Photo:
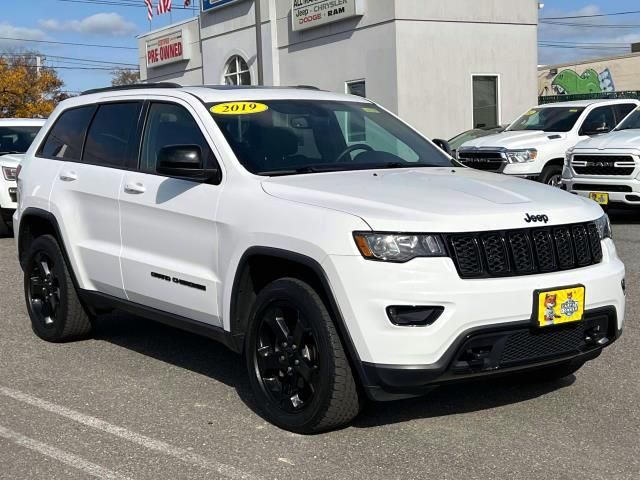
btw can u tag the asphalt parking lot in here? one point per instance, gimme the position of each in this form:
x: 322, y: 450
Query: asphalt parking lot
x: 144, y: 401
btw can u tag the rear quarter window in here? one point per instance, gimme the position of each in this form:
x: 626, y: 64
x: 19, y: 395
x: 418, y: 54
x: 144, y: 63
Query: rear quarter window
x: 65, y: 139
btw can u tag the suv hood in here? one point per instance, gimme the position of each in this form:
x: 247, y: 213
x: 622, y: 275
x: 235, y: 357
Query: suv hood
x: 434, y: 199
x: 513, y: 140
x: 616, y: 139
x: 11, y: 160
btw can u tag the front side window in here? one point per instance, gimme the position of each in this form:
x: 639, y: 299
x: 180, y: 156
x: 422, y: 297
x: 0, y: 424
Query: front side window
x: 236, y: 71
x: 287, y: 137
x: 632, y: 122
x: 169, y: 124
x: 549, y: 119
x: 65, y: 139
x: 112, y: 139
x: 16, y: 139
x: 600, y: 120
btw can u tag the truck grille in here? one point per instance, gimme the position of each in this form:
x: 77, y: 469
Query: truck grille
x: 603, y: 165
x: 480, y: 160
x: 526, y: 251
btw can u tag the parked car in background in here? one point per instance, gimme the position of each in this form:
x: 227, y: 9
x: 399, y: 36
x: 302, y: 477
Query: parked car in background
x: 16, y: 135
x: 456, y: 142
x: 606, y: 168
x: 535, y: 145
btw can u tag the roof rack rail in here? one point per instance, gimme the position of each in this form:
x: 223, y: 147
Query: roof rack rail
x: 135, y: 86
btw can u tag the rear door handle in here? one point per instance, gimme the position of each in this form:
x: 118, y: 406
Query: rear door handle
x: 134, y: 188
x: 68, y: 176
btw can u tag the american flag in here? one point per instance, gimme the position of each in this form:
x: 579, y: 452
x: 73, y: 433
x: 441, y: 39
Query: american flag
x: 164, y: 6
x: 149, y: 9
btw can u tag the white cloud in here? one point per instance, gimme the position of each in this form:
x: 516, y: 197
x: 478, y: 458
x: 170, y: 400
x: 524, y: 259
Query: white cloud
x: 578, y: 34
x: 106, y: 24
x: 8, y: 32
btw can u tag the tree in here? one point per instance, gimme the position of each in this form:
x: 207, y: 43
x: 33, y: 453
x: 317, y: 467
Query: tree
x: 27, y: 89
x: 123, y: 76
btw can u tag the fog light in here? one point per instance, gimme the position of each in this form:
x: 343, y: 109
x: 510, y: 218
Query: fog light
x: 404, y: 316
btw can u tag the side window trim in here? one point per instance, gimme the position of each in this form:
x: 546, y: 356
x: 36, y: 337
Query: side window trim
x: 39, y: 151
x: 205, y: 136
x: 138, y: 132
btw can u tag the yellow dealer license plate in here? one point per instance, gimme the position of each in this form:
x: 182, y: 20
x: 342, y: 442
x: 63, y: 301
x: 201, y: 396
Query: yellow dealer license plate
x: 557, y: 307
x: 601, y: 198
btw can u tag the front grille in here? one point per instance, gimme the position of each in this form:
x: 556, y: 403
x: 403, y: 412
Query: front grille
x: 524, y: 346
x: 589, y: 187
x: 480, y: 160
x: 603, y: 165
x: 526, y: 251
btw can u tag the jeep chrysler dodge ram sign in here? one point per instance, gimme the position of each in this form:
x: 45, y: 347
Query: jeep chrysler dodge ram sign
x: 313, y: 13
x: 170, y: 48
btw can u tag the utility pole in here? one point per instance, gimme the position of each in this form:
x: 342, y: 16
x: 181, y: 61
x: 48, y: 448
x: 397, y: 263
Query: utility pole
x: 259, y: 42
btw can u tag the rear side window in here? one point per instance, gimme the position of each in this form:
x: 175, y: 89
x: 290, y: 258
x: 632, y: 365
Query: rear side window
x: 65, y: 139
x: 623, y: 110
x: 112, y: 140
x: 169, y: 124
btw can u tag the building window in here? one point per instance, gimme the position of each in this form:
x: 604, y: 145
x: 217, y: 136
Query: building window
x: 236, y: 71
x: 486, y: 111
x: 358, y: 88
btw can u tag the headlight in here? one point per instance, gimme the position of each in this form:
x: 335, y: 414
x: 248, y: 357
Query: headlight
x: 9, y: 173
x: 604, y: 227
x: 522, y: 156
x: 390, y: 247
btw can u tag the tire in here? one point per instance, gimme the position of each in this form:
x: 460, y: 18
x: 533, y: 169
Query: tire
x: 318, y: 393
x: 52, y: 301
x: 551, y: 175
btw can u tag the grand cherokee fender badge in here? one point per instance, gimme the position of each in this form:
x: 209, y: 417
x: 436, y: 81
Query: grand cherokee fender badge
x: 536, y: 218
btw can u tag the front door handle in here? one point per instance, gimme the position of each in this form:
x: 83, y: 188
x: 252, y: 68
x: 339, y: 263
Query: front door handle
x: 68, y: 176
x: 134, y: 188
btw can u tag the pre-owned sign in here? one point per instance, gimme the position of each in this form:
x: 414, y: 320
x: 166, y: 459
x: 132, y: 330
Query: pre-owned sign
x: 213, y: 4
x: 169, y: 48
x: 313, y: 13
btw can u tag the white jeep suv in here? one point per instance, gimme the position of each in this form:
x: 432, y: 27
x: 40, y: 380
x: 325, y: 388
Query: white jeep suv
x: 606, y: 168
x: 534, y: 146
x: 16, y: 135
x: 341, y: 252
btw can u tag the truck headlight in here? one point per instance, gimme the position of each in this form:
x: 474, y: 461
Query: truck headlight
x: 9, y: 173
x: 393, y: 247
x: 604, y: 227
x: 522, y: 156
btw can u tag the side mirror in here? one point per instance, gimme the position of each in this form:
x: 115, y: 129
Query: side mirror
x: 443, y: 145
x: 185, y: 162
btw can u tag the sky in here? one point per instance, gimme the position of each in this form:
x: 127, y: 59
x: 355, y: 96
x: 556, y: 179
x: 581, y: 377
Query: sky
x: 115, y: 23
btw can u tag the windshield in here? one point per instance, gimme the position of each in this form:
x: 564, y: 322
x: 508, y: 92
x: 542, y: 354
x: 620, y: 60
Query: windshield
x: 16, y: 139
x: 632, y: 122
x: 288, y: 137
x: 549, y: 119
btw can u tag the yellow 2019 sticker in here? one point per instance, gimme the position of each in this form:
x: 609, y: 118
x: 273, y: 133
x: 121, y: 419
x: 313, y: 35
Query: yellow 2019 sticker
x: 531, y: 112
x: 239, y: 108
x: 370, y: 110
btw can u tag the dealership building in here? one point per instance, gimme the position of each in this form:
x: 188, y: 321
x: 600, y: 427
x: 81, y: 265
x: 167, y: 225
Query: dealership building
x: 444, y: 66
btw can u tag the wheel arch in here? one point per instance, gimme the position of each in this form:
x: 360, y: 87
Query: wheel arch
x: 259, y: 266
x: 554, y: 162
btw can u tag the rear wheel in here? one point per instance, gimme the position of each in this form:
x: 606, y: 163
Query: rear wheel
x: 298, y: 369
x: 552, y: 176
x: 52, y: 302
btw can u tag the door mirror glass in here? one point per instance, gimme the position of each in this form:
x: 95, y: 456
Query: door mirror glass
x: 183, y: 161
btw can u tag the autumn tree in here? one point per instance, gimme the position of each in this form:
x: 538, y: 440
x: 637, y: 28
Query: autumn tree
x: 27, y: 89
x: 124, y: 76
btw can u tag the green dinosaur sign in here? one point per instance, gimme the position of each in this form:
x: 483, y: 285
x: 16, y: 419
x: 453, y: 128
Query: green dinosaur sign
x: 569, y: 82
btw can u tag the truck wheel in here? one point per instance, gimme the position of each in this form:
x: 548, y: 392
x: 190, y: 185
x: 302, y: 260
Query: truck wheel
x: 52, y: 302
x: 298, y: 369
x: 552, y: 175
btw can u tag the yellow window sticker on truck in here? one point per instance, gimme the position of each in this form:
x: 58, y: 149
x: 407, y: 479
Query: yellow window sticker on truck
x: 531, y: 112
x: 371, y: 110
x: 239, y: 108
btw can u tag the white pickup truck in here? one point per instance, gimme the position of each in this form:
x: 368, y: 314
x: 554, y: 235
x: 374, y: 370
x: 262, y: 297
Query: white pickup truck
x: 16, y: 135
x: 534, y: 146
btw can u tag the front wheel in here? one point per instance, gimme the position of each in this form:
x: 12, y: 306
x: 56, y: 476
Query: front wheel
x: 298, y: 369
x: 552, y: 176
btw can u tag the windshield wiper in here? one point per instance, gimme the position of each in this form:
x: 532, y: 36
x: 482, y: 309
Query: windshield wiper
x: 10, y: 152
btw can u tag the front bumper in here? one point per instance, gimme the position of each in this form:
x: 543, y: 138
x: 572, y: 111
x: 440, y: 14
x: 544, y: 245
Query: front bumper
x: 364, y: 289
x: 621, y: 190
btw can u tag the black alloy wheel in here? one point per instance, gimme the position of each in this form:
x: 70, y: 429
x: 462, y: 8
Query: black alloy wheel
x: 43, y: 292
